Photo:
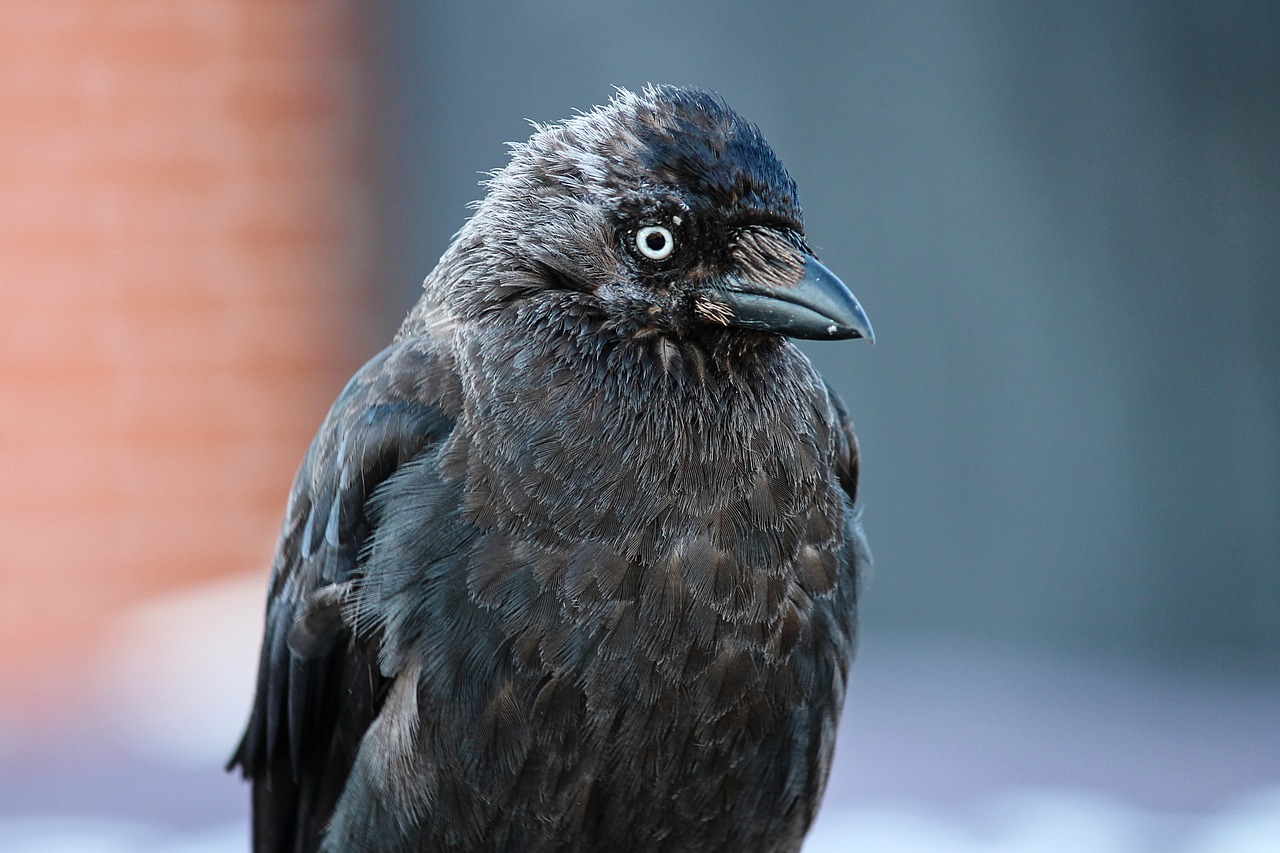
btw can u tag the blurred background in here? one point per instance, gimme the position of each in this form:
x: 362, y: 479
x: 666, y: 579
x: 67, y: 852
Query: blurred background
x: 1063, y: 220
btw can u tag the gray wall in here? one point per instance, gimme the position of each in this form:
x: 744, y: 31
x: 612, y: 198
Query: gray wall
x: 1064, y: 221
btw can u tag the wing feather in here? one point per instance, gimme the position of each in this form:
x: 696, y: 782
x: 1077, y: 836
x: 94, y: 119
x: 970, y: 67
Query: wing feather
x: 300, y: 740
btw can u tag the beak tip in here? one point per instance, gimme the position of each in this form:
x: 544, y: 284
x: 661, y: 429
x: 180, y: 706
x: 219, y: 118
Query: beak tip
x: 855, y: 327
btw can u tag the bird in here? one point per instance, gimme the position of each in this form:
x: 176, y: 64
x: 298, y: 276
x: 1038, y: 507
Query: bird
x: 573, y: 563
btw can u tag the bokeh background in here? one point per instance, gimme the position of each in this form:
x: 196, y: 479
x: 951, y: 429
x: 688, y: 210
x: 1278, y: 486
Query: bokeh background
x: 1063, y: 220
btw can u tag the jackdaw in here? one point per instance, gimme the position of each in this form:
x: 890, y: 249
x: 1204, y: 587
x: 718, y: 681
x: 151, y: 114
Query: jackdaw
x: 572, y: 564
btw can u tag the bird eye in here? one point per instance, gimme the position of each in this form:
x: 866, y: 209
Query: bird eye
x: 655, y: 242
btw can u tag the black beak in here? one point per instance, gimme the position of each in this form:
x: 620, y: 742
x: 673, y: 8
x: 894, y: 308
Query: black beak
x: 817, y: 307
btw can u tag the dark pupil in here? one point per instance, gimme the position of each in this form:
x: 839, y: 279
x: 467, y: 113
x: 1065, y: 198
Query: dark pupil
x: 655, y: 241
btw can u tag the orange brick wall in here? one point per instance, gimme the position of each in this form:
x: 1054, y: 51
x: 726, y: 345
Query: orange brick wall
x: 183, y: 234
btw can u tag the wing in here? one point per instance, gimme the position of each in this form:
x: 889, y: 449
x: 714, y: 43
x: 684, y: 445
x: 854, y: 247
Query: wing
x: 847, y: 461
x: 319, y: 687
x: 855, y: 554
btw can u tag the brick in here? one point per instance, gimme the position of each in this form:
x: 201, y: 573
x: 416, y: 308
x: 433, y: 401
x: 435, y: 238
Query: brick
x: 183, y: 247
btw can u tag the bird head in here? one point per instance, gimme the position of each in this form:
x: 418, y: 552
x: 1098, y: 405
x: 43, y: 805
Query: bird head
x: 665, y: 212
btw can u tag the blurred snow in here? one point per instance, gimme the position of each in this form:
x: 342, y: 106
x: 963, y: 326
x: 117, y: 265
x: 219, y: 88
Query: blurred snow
x: 78, y: 835
x: 1050, y: 822
x: 1252, y: 825
x: 191, y: 658
x: 945, y: 750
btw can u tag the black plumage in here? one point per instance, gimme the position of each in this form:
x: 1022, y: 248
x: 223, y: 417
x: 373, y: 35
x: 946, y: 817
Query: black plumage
x: 572, y: 564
